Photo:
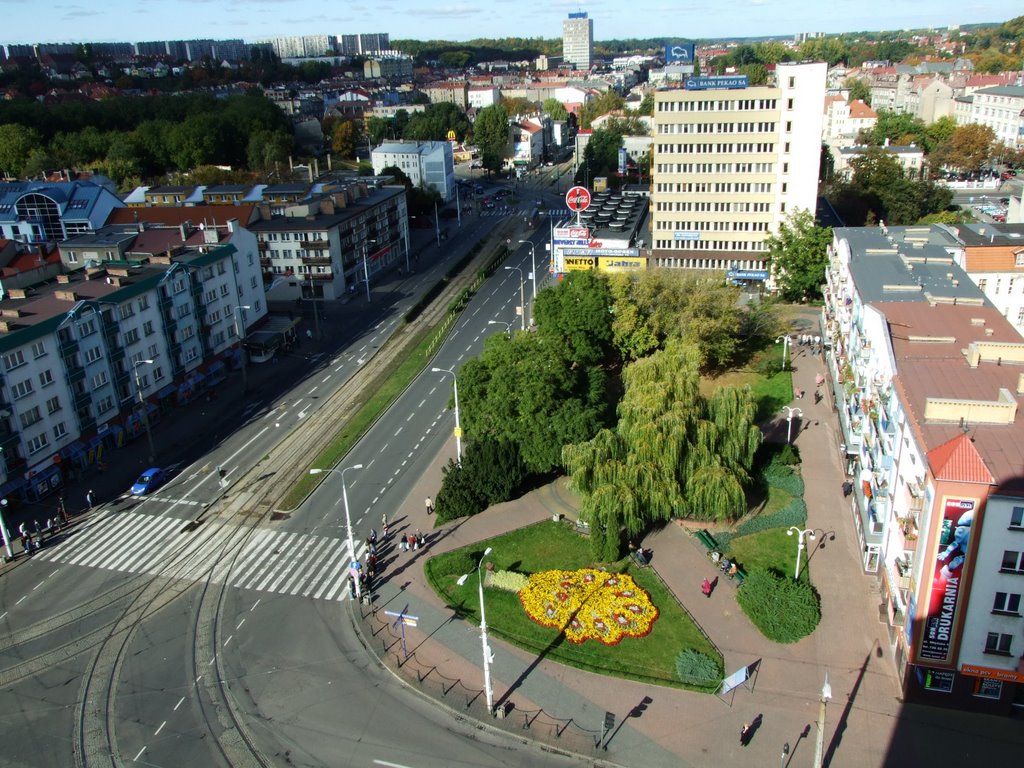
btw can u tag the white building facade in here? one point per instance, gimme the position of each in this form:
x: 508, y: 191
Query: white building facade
x: 731, y: 163
x: 578, y: 40
x: 426, y: 163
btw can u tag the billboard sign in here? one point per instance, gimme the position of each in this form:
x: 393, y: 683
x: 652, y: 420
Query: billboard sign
x: 747, y: 274
x: 680, y: 53
x: 715, y: 81
x: 572, y: 233
x: 572, y: 243
x: 940, y: 615
x: 577, y: 263
x: 623, y: 161
x: 620, y: 264
x: 687, y: 235
x: 622, y: 252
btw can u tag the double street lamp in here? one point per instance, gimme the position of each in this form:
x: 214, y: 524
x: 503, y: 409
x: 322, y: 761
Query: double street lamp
x: 800, y: 534
x: 241, y: 344
x: 508, y: 326
x: 789, y: 420
x: 348, y: 519
x: 488, y: 692
x: 533, y: 274
x: 458, y: 429
x: 785, y: 341
x: 522, y: 296
x: 144, y: 406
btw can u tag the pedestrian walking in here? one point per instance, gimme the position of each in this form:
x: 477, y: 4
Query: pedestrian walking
x: 819, y: 380
x: 384, y: 519
x: 705, y: 587
x: 416, y: 540
x: 430, y: 506
x: 745, y: 734
x: 90, y: 498
x: 422, y: 541
x: 402, y: 544
x: 384, y: 533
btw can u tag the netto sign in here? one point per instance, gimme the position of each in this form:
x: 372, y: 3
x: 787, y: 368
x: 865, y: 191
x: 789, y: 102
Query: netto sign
x: 576, y: 264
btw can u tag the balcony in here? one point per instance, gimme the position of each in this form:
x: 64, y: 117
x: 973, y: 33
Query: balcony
x: 324, y: 261
x: 263, y: 247
x: 265, y: 261
x: 319, y: 245
x: 321, y: 276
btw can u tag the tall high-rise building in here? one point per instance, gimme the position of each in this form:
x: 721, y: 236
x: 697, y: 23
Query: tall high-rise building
x: 731, y: 163
x: 578, y: 40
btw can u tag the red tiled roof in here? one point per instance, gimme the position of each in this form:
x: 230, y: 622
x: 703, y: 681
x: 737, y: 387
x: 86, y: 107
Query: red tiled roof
x: 860, y: 110
x: 173, y: 216
x: 958, y: 461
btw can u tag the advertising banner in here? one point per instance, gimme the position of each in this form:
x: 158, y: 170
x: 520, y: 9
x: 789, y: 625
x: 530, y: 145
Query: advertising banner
x: 630, y: 252
x: 680, y: 53
x: 747, y: 274
x: 940, y: 616
x: 579, y: 263
x: 687, y: 235
x: 1007, y: 675
x: 623, y: 161
x: 620, y: 264
x: 572, y: 233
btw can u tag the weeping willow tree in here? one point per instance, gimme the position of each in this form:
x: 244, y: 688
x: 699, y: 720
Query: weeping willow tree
x: 674, y: 453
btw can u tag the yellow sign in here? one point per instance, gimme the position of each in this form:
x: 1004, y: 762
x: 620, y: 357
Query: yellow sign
x: 621, y: 263
x: 457, y: 431
x: 451, y: 135
x: 574, y: 263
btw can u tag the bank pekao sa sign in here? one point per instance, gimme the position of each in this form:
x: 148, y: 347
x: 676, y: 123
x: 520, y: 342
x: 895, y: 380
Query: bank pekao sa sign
x: 715, y: 81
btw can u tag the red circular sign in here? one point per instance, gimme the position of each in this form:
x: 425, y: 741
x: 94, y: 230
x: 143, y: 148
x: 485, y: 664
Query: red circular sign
x: 578, y: 199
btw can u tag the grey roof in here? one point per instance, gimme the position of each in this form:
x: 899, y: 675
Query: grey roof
x: 1003, y: 90
x: 77, y: 200
x: 907, y: 264
x: 978, y: 233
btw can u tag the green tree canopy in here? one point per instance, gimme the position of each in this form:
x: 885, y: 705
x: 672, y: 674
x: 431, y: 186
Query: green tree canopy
x: 555, y: 109
x: 967, y: 148
x: 799, y: 256
x: 490, y: 134
x: 576, y: 317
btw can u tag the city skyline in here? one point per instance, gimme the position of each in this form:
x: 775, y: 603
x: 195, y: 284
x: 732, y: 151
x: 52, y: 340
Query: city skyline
x: 122, y: 21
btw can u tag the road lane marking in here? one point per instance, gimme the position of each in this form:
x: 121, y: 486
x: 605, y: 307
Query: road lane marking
x: 139, y: 755
x: 240, y: 625
x: 20, y: 601
x: 228, y: 640
x: 398, y: 432
x: 53, y: 574
x: 180, y: 701
x: 409, y: 417
x: 157, y: 732
x: 2, y: 615
x: 424, y: 400
x: 254, y: 605
x: 37, y: 586
x: 314, y: 389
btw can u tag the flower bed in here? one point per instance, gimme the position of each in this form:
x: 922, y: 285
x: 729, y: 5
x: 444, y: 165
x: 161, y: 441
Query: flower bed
x: 588, y: 604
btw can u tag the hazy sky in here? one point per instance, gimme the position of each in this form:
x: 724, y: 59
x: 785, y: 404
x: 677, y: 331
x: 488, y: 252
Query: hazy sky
x: 23, y: 21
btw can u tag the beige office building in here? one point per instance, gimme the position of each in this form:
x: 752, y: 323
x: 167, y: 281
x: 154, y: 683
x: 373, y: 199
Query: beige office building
x: 730, y: 164
x: 578, y: 40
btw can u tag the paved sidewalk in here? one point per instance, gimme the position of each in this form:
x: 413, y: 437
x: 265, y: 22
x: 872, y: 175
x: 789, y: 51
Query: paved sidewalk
x: 866, y: 724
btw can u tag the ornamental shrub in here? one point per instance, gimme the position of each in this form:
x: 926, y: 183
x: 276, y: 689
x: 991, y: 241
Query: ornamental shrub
x: 508, y: 581
x: 698, y: 669
x: 794, y: 513
x: 782, y: 609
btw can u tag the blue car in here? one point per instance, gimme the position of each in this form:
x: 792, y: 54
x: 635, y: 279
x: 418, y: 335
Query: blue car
x: 149, y: 481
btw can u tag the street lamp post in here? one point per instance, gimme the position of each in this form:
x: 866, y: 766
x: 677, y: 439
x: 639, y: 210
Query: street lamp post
x: 789, y: 420
x: 800, y: 534
x: 458, y: 429
x: 366, y: 266
x: 3, y: 530
x: 819, y: 745
x: 508, y: 326
x: 348, y: 519
x: 522, y: 295
x: 533, y: 274
x: 488, y: 692
x: 785, y: 341
x: 241, y: 346
x: 142, y: 404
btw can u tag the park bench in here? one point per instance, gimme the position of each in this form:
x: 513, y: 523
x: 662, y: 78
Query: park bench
x: 705, y: 538
x: 582, y: 528
x: 638, y: 557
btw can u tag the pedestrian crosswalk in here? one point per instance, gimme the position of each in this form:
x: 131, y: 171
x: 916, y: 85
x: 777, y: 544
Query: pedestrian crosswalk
x: 279, y: 562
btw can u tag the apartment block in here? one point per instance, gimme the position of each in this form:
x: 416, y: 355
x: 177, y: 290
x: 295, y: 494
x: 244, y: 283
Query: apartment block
x: 731, y: 163
x: 926, y: 379
x: 578, y: 40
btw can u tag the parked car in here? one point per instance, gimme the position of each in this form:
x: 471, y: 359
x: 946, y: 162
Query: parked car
x: 149, y: 481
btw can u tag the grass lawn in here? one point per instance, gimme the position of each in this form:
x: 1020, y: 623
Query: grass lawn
x: 772, y: 549
x: 547, y: 546
x: 770, y: 392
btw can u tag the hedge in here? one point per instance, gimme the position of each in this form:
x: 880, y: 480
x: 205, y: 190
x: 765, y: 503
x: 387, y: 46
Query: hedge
x: 783, y: 610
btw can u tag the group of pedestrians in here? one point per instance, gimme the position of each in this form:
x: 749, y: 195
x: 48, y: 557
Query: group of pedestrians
x: 813, y: 341
x: 32, y: 539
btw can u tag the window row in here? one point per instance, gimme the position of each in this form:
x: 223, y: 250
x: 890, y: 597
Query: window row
x: 712, y: 207
x: 714, y: 167
x: 718, y: 105
x: 703, y: 225
x: 710, y: 245
x: 706, y: 187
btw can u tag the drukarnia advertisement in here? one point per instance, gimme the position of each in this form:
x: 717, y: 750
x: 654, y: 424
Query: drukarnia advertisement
x: 950, y: 565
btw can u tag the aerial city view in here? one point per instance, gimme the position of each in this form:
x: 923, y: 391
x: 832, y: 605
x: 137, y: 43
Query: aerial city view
x: 517, y: 385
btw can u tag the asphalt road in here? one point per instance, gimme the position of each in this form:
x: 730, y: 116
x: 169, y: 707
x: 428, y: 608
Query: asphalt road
x: 112, y: 614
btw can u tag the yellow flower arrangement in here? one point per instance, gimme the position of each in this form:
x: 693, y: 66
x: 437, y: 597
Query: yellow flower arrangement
x: 589, y: 604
